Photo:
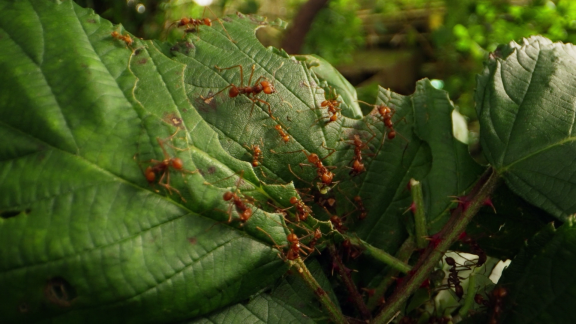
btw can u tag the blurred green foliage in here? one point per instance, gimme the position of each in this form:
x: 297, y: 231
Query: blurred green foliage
x: 336, y: 32
x: 472, y: 28
x: 455, y: 36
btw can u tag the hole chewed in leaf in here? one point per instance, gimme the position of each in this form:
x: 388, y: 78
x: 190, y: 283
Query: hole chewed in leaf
x: 59, y: 292
x: 13, y: 213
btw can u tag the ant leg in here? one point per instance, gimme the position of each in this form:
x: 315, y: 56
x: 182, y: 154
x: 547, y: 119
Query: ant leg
x: 251, y: 74
x: 264, y: 102
x: 329, y: 149
x: 235, y: 66
x: 220, y: 22
x: 290, y: 168
x: 209, y: 98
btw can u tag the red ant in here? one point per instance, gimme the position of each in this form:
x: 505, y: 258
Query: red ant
x: 476, y: 249
x: 337, y: 221
x: 240, y: 203
x: 316, y: 235
x: 256, y: 153
x: 386, y: 114
x: 359, y: 146
x: 295, y: 247
x: 163, y: 166
x: 261, y: 85
x: 322, y: 172
x: 285, y: 137
x: 332, y: 105
x: 192, y: 24
x: 125, y: 38
x: 496, y: 302
x: 302, y: 211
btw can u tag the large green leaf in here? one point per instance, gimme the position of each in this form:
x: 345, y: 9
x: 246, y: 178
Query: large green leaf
x: 88, y: 239
x: 540, y: 281
x: 95, y: 242
x: 525, y: 103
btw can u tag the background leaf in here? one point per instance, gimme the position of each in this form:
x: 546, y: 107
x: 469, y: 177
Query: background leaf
x: 539, y: 281
x: 525, y: 105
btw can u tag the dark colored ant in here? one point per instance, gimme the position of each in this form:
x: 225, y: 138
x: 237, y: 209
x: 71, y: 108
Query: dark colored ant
x: 302, y: 211
x: 256, y: 153
x: 361, y: 208
x: 453, y: 278
x: 476, y: 249
x: 163, y: 167
x: 386, y: 113
x: 125, y: 38
x: 192, y: 24
x: 337, y: 221
x: 316, y: 235
x: 261, y: 85
x: 496, y: 302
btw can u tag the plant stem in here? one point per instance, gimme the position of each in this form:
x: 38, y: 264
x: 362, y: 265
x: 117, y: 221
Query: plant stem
x: 333, y: 311
x: 345, y: 275
x: 380, y: 255
x: 448, y: 235
x: 404, y: 254
x: 469, y: 300
x: 419, y: 215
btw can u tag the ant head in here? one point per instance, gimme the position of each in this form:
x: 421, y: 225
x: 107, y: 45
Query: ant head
x: 391, y: 134
x: 115, y: 34
x: 207, y: 21
x: 357, y: 199
x: 177, y: 163
x: 327, y: 177
x: 293, y: 200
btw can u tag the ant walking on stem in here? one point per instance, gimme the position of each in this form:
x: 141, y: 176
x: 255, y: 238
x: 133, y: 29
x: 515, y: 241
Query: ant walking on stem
x: 163, y: 167
x: 262, y: 84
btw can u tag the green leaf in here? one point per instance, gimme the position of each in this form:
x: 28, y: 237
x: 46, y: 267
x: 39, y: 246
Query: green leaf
x: 81, y: 114
x: 525, y: 105
x: 540, y: 281
x: 262, y: 309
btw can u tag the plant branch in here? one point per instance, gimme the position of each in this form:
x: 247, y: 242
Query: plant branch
x: 460, y: 218
x: 345, y: 275
x: 380, y: 255
x: 333, y: 311
x: 404, y: 254
x: 419, y: 215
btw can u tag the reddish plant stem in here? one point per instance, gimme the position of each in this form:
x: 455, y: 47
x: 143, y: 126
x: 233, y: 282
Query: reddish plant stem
x: 448, y: 235
x: 352, y: 289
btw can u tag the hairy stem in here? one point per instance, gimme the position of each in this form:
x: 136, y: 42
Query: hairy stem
x: 333, y: 311
x: 448, y: 235
x: 380, y: 255
x: 419, y: 216
x: 345, y: 275
x: 404, y: 254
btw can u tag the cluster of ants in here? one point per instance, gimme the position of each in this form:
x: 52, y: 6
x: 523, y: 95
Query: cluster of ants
x: 495, y: 301
x: 158, y: 172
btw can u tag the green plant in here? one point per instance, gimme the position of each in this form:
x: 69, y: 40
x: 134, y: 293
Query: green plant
x: 88, y: 236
